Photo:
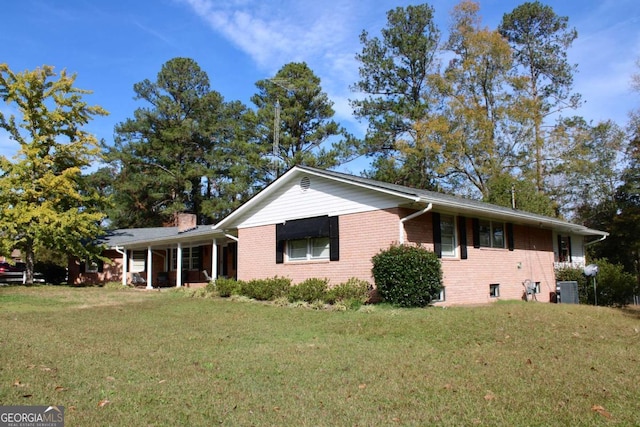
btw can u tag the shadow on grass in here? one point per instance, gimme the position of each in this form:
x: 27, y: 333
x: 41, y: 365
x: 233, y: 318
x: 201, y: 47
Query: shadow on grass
x: 631, y: 311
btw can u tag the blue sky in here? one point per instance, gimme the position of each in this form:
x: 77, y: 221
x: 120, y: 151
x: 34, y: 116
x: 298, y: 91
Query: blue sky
x: 113, y: 44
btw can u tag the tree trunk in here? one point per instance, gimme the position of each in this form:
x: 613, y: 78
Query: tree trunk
x: 30, y: 263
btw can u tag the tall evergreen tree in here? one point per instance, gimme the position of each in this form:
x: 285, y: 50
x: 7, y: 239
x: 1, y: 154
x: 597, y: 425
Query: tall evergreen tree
x: 295, y: 121
x: 394, y: 79
x: 45, y: 202
x: 166, y: 152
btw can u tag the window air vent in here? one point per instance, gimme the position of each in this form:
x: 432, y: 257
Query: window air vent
x: 305, y: 183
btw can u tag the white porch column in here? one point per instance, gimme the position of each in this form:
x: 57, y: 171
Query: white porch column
x: 125, y: 258
x: 149, y: 268
x: 214, y: 259
x: 179, y: 266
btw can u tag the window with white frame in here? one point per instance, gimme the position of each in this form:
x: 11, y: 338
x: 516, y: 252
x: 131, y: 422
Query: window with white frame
x: 316, y: 248
x: 491, y: 234
x: 308, y: 239
x: 448, y: 235
x: 138, y: 261
x: 190, y: 258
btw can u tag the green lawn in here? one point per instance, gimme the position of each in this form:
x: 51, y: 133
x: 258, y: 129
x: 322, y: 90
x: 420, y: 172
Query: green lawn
x: 136, y: 358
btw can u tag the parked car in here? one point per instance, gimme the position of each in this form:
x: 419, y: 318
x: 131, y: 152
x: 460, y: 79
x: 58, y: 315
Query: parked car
x: 15, y: 273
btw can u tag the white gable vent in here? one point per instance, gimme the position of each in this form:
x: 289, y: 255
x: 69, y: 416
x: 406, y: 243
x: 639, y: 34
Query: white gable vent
x: 305, y: 183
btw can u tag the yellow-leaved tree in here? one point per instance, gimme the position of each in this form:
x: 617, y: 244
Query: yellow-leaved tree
x: 45, y: 202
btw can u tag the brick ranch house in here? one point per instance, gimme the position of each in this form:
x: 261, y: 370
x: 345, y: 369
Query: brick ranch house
x: 184, y: 255
x: 318, y: 223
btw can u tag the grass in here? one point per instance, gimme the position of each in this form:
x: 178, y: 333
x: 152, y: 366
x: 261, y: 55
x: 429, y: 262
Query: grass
x: 125, y: 357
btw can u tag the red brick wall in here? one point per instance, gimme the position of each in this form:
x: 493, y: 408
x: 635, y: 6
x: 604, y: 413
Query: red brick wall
x: 467, y: 281
x: 363, y: 235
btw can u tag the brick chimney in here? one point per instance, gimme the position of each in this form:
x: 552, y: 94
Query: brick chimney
x: 186, y: 222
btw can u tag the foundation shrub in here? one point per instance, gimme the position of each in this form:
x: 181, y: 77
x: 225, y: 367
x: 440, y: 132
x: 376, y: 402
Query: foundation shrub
x: 352, y: 289
x: 407, y: 276
x: 226, y: 287
x: 266, y: 289
x: 312, y: 289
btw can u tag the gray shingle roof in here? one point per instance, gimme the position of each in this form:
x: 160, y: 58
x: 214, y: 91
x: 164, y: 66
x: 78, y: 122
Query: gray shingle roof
x: 461, y: 204
x: 141, y: 236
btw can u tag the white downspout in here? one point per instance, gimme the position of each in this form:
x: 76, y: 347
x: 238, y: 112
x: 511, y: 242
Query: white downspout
x: 214, y: 259
x: 179, y: 266
x: 123, y: 252
x: 234, y: 238
x: 604, y: 236
x: 407, y: 218
x: 149, y: 268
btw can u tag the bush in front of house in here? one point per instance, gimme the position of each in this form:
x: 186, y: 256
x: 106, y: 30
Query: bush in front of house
x: 52, y: 272
x: 226, y: 287
x: 266, y: 289
x: 353, y: 289
x: 310, y: 290
x: 407, y: 275
x: 614, y: 286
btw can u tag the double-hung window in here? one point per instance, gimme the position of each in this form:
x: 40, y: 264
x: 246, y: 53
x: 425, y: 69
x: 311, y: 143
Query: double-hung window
x: 138, y: 261
x: 308, y: 239
x: 491, y: 234
x: 190, y: 258
x: 444, y: 236
x: 448, y: 235
x: 564, y: 248
x: 308, y: 249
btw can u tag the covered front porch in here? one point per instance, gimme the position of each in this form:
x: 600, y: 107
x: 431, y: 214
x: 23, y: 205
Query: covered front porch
x: 188, y: 260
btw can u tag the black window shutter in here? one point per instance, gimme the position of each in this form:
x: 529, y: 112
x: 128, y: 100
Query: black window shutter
x: 83, y: 267
x: 100, y: 266
x: 279, y: 244
x: 510, y: 240
x: 560, y: 257
x: 462, y: 236
x: 569, y: 247
x: 334, y: 239
x: 233, y: 248
x: 476, y: 232
x: 437, y: 234
x: 225, y: 261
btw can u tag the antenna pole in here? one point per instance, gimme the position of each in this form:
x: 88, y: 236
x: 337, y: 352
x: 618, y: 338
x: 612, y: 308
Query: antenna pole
x: 276, y: 129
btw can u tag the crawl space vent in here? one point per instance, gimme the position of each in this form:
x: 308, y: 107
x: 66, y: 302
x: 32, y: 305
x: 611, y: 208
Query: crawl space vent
x: 305, y: 183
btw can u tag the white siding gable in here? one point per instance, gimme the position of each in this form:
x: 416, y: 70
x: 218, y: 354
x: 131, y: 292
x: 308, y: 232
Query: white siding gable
x: 322, y: 197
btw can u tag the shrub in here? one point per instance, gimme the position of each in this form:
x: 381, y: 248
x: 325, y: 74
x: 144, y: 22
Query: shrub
x: 352, y: 289
x: 614, y: 286
x: 115, y: 285
x: 407, y: 276
x: 52, y: 273
x: 211, y: 287
x: 227, y: 287
x: 310, y: 290
x: 266, y: 289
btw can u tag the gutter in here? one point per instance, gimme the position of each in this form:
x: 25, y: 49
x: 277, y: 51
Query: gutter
x: 407, y: 218
x: 234, y: 238
x: 604, y: 236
